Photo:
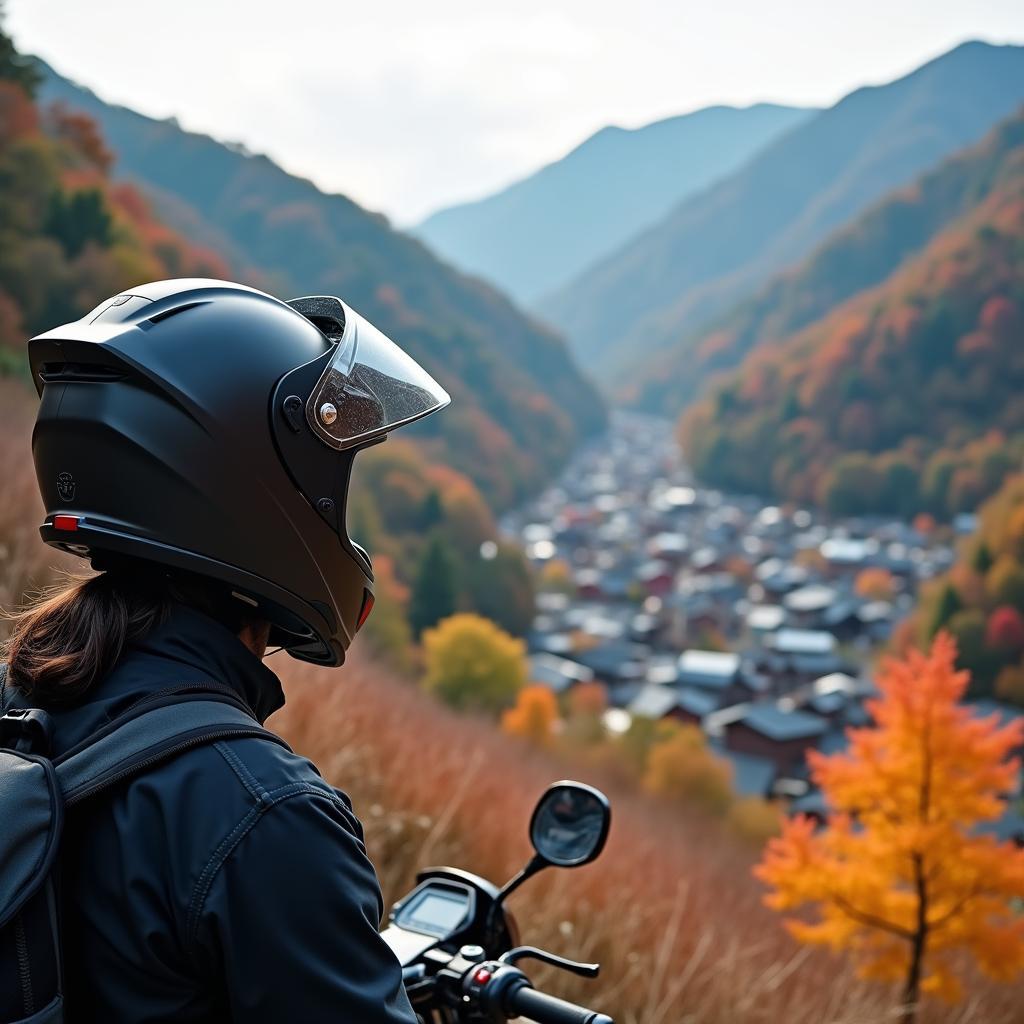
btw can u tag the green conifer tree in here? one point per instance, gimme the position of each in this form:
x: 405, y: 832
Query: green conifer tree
x: 434, y: 592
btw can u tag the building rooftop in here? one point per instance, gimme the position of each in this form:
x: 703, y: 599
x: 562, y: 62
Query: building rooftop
x: 558, y: 673
x: 803, y: 641
x: 708, y: 668
x: 696, y: 702
x: 848, y: 550
x: 835, y: 682
x: 828, y: 703
x: 653, y: 702
x: 815, y: 597
x: 781, y: 726
x: 766, y: 618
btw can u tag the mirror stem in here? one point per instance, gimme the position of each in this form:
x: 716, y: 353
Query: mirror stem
x: 535, y: 864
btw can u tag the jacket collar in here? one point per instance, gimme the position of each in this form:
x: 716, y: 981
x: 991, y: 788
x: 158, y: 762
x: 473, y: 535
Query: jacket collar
x: 188, y: 647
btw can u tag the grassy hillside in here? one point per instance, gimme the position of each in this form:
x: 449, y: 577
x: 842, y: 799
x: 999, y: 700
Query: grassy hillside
x: 540, y: 232
x: 908, y: 397
x: 856, y: 257
x: 717, y: 247
x: 670, y: 909
x: 520, y: 405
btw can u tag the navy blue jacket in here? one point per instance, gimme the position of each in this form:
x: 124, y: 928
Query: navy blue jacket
x: 230, y: 883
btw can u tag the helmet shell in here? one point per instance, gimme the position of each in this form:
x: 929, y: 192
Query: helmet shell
x: 164, y: 434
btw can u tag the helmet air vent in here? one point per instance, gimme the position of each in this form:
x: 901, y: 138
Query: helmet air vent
x: 79, y: 373
x: 173, y: 311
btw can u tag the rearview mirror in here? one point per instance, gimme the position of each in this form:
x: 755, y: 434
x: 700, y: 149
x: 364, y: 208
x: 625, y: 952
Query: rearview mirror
x: 570, y: 824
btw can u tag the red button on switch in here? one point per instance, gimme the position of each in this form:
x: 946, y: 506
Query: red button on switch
x: 482, y: 976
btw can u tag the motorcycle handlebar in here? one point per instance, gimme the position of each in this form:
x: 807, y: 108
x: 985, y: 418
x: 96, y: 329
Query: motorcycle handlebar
x: 544, y: 1009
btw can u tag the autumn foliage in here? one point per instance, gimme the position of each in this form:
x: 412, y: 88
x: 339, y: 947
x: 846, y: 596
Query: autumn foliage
x: 904, y: 875
x: 981, y: 600
x: 534, y: 715
x: 69, y: 236
x: 681, y: 767
x: 472, y: 664
x: 906, y: 397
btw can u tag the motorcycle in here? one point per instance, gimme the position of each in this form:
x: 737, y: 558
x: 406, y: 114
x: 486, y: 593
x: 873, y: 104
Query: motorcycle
x: 458, y: 945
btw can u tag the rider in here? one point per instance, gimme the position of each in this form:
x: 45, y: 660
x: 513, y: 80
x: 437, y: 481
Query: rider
x: 194, y: 441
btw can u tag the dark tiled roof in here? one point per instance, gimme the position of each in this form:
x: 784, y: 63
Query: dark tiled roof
x: 697, y: 703
x: 769, y: 721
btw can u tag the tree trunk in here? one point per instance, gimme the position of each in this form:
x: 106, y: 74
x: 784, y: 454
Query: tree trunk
x: 912, y: 988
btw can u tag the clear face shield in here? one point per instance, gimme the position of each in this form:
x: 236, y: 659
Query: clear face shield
x: 369, y: 387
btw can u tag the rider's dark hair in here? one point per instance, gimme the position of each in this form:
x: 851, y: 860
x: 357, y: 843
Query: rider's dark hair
x: 72, y: 635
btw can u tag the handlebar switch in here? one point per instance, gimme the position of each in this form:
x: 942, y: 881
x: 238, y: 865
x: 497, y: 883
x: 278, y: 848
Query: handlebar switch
x: 488, y: 984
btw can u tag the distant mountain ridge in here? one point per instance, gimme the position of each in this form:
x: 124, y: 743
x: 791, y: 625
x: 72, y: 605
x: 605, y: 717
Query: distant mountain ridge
x: 716, y: 248
x: 520, y: 404
x: 541, y: 231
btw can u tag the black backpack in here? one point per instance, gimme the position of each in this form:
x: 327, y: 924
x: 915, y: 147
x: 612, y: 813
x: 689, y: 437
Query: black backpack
x: 34, y: 792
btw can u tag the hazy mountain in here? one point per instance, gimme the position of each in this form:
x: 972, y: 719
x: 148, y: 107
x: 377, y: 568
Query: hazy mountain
x: 718, y: 246
x: 540, y: 232
x: 520, y: 405
x: 907, y: 396
x: 857, y: 256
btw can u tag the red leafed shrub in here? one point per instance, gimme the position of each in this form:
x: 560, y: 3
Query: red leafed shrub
x: 1005, y: 629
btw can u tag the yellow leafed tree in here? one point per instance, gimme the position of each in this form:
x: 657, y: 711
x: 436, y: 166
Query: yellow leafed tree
x: 901, y: 875
x: 473, y: 664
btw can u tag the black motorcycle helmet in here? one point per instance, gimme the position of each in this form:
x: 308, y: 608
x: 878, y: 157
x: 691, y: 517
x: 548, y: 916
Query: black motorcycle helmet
x: 207, y: 429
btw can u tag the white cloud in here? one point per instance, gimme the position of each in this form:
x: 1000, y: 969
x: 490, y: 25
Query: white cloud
x: 406, y: 106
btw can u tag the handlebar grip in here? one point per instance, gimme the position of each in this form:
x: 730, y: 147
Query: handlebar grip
x: 544, y: 1009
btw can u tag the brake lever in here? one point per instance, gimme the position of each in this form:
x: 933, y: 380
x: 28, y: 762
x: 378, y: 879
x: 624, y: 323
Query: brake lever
x: 533, y: 953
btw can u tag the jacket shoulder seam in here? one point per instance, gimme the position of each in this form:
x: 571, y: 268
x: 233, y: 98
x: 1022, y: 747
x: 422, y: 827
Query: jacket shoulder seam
x: 265, y: 801
x: 238, y: 766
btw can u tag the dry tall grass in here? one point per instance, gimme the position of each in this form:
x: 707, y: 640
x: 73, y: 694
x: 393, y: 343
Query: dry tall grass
x: 26, y: 564
x: 670, y: 909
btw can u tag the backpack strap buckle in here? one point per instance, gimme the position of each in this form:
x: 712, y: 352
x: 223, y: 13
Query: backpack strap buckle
x: 26, y: 730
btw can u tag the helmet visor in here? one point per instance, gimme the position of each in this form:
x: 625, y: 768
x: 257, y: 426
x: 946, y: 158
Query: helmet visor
x: 369, y: 387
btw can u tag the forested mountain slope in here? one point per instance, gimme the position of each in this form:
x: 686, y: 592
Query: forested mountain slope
x: 69, y: 234
x: 907, y: 397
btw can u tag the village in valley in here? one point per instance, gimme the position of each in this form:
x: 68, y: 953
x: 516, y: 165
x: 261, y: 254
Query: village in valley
x: 757, y: 623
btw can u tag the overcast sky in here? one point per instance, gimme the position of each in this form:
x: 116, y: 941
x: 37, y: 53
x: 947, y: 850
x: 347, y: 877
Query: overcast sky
x: 408, y: 105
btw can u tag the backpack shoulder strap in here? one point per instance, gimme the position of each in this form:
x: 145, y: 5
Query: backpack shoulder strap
x: 137, y: 742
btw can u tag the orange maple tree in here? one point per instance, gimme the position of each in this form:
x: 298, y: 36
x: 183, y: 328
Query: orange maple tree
x: 901, y: 875
x: 534, y: 715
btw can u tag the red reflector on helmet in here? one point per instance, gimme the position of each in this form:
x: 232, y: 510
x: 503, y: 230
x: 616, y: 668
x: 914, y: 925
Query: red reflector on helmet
x: 364, y: 612
x: 65, y: 522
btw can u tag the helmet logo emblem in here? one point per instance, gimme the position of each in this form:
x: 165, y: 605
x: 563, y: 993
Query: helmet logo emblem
x: 66, y: 486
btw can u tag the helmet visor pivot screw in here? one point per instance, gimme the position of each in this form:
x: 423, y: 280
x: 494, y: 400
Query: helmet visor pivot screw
x: 328, y: 413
